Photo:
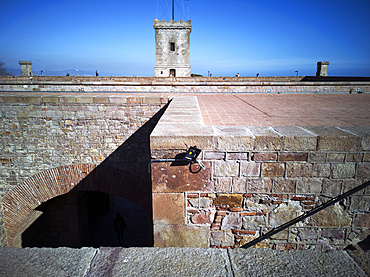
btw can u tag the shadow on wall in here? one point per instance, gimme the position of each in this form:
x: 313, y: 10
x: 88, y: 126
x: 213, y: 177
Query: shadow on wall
x: 84, y: 216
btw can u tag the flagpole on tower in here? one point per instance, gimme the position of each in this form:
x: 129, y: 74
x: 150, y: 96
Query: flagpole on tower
x: 173, y: 9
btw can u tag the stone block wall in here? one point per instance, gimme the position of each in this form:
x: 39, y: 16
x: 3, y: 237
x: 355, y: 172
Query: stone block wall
x: 44, y: 132
x: 257, y: 178
x: 183, y: 85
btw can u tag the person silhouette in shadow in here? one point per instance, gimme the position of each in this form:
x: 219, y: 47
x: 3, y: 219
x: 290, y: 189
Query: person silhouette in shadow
x: 119, y: 227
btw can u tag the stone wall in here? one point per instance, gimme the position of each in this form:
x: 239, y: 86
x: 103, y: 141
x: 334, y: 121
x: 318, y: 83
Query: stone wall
x: 182, y: 85
x: 49, y: 143
x: 257, y: 178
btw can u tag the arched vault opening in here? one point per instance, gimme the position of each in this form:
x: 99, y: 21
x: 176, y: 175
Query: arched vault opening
x: 20, y: 203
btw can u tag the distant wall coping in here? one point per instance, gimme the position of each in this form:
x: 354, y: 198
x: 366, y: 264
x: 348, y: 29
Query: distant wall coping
x: 80, y: 98
x: 151, y: 81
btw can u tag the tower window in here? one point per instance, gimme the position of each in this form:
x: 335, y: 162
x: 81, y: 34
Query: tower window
x: 172, y: 46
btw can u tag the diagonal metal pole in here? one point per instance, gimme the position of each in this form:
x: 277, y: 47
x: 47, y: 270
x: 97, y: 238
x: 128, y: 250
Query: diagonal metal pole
x: 304, y: 216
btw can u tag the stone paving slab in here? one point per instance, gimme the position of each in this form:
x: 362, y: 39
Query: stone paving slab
x: 267, y: 262
x: 45, y: 261
x: 178, y: 262
x: 362, y: 258
x: 160, y: 262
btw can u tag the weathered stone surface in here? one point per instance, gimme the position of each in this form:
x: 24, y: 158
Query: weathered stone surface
x: 360, y: 203
x: 309, y: 185
x: 317, y: 157
x: 250, y: 169
x: 259, y: 185
x: 45, y: 261
x: 354, y: 157
x: 200, y: 202
x: 170, y: 261
x: 283, y: 235
x: 283, y: 185
x: 223, y: 184
x: 333, y: 216
x: 362, y: 220
x: 226, y: 168
x: 181, y: 236
x: 334, y: 139
x: 175, y: 261
x: 236, y: 138
x: 299, y: 170
x: 297, y: 139
x: 342, y: 171
x: 321, y: 170
x: 308, y: 234
x: 168, y: 208
x: 333, y: 233
x: 268, y: 262
x: 203, y: 217
x: 204, y: 202
x: 253, y: 204
x: 263, y: 157
x: 363, y: 170
x: 351, y: 184
x: 284, y: 213
x: 232, y: 221
x: 266, y: 138
x: 168, y: 178
x: 237, y: 156
x: 367, y: 157
x: 249, y: 238
x: 298, y: 157
x: 222, y: 238
x: 364, y: 133
x: 331, y: 187
x: 232, y: 200
x: 336, y: 157
x: 210, y: 155
x: 239, y: 184
x: 254, y: 222
x: 273, y: 169
x: 172, y: 136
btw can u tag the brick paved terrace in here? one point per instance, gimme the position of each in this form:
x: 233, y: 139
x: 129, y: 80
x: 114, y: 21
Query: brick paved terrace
x: 285, y: 109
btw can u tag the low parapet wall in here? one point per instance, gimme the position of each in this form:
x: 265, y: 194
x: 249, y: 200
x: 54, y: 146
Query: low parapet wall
x: 257, y: 178
x: 183, y: 85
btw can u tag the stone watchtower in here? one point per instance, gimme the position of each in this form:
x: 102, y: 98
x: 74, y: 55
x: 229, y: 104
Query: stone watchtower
x: 26, y: 69
x: 172, y: 44
x: 322, y: 69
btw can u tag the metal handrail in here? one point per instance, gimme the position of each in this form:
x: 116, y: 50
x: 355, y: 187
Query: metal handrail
x: 304, y: 216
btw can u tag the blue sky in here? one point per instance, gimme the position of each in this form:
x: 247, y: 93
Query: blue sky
x: 116, y: 37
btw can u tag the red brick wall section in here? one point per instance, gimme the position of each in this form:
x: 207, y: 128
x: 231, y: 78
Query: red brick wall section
x: 23, y: 199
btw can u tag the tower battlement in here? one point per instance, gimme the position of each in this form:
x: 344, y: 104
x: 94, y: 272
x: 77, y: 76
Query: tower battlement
x: 172, y: 24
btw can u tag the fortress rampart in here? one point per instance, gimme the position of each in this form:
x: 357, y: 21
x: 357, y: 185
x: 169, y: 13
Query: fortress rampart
x: 186, y: 85
x: 256, y: 178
